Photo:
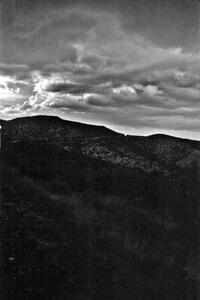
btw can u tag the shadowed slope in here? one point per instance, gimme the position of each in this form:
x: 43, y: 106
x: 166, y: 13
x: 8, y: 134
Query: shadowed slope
x: 81, y: 224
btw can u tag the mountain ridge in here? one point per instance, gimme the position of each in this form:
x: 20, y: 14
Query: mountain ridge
x: 69, y: 122
x: 155, y: 152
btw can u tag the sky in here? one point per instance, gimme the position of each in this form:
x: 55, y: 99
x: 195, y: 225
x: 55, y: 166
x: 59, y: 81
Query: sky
x: 131, y: 65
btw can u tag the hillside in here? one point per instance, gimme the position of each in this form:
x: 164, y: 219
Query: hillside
x: 153, y: 152
x: 88, y: 213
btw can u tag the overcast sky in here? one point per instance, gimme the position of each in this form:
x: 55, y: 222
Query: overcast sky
x: 131, y: 65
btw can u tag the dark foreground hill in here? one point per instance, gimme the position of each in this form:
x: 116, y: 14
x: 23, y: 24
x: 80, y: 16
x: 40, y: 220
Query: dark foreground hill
x: 88, y: 213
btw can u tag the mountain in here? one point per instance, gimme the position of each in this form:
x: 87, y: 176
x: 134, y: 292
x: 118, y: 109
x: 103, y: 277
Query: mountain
x: 55, y: 128
x: 150, y: 153
x: 88, y: 213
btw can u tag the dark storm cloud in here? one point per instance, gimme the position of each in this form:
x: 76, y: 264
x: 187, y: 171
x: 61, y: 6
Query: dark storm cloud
x: 67, y: 88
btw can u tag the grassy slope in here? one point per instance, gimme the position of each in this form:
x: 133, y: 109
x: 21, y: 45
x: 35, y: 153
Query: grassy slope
x: 77, y: 228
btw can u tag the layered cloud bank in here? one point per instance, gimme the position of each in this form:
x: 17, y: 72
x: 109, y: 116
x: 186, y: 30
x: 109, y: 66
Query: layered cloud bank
x: 85, y: 65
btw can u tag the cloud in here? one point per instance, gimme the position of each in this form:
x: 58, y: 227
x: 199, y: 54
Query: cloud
x: 70, y: 105
x: 67, y: 88
x: 124, y: 90
x: 84, y: 62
